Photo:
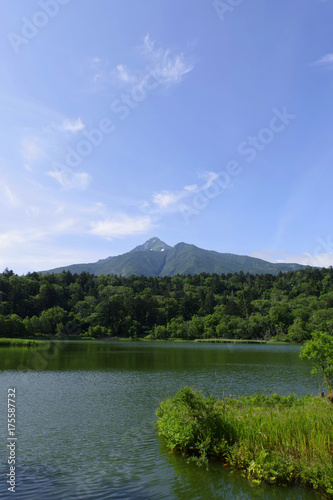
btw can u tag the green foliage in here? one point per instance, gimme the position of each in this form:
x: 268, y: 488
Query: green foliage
x: 21, y: 342
x: 320, y: 350
x: 96, y: 332
x: 233, y: 306
x: 194, y: 425
x: 12, y: 326
x: 272, y: 438
x: 49, y: 319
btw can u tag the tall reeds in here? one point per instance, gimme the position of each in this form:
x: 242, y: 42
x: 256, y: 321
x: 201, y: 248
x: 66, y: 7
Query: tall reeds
x: 272, y: 438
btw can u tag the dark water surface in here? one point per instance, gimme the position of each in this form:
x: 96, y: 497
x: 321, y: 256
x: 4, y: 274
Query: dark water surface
x: 86, y: 412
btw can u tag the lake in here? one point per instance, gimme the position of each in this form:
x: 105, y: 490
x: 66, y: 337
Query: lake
x: 86, y: 411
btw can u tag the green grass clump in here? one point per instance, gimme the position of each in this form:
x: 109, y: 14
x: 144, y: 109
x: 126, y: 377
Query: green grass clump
x: 21, y: 342
x: 277, y: 439
x: 194, y: 425
x: 231, y: 341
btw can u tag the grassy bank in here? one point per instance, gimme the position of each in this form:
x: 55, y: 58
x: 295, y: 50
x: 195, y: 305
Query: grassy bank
x: 277, y: 439
x: 21, y: 342
x: 241, y: 341
x: 9, y: 341
x: 216, y: 341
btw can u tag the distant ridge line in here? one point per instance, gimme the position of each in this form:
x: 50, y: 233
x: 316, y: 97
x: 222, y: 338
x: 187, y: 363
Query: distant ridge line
x: 156, y: 258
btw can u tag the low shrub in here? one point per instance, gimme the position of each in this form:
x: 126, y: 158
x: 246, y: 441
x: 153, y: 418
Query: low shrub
x: 194, y: 425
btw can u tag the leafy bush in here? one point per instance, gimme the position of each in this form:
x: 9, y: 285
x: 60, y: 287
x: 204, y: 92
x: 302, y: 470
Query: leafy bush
x: 194, y: 425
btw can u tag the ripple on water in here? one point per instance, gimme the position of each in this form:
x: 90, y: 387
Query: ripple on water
x: 92, y: 431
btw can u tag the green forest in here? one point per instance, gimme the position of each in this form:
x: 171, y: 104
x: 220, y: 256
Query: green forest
x: 283, y: 307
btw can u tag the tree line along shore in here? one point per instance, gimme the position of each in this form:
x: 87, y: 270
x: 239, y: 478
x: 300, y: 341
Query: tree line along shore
x: 286, y: 307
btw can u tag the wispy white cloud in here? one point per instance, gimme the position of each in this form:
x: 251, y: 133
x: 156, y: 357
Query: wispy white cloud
x: 98, y: 71
x: 210, y: 178
x: 121, y: 225
x: 124, y: 74
x: 75, y: 180
x: 72, y: 125
x: 167, y: 201
x: 325, y: 62
x: 168, y: 68
x: 166, y: 198
x: 37, y: 228
x: 32, y: 211
x: 306, y: 259
x: 10, y: 196
x: 191, y: 188
x: 40, y: 253
x: 37, y: 217
x: 31, y: 150
x: 11, y: 238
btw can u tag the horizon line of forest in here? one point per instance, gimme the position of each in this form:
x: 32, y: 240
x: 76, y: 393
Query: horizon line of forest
x: 287, y: 306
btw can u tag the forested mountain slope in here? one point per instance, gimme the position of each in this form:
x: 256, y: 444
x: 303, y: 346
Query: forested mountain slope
x: 156, y: 258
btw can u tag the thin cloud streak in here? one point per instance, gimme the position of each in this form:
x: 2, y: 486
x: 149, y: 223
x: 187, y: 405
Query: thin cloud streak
x: 121, y: 225
x: 167, y: 201
x: 325, y: 62
x: 72, y: 126
x: 77, y: 180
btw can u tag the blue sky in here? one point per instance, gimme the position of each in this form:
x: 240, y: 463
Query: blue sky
x: 208, y: 122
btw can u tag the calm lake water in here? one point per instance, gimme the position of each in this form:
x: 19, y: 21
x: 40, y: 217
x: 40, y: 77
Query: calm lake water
x: 86, y: 412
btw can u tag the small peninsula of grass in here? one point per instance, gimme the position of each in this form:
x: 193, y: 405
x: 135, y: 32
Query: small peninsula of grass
x: 21, y: 342
x: 277, y: 439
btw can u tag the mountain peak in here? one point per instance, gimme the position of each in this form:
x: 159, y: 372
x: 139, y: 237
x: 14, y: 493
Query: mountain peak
x: 154, y: 244
x: 156, y: 258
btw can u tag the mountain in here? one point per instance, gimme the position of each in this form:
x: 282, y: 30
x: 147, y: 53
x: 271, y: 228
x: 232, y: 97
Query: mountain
x: 156, y: 258
x: 154, y: 244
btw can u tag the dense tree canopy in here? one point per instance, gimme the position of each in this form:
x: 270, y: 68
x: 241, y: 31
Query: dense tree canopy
x: 288, y: 306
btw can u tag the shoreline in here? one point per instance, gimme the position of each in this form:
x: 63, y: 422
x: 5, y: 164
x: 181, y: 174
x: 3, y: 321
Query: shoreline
x: 16, y: 342
x: 39, y: 341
